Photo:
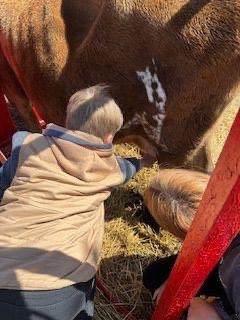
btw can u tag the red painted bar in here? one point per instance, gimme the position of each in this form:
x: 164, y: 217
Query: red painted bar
x: 7, y: 127
x: 216, y: 224
x: 40, y: 120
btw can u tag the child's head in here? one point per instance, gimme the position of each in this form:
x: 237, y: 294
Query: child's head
x: 173, y: 198
x: 93, y: 111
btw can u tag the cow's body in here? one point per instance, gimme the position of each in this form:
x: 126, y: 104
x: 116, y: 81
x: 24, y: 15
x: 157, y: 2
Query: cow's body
x: 173, y: 65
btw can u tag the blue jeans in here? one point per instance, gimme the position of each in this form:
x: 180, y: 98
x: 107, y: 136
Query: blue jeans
x: 73, y: 302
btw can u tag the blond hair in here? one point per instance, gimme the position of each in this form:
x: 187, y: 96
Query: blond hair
x: 173, y: 198
x: 93, y: 111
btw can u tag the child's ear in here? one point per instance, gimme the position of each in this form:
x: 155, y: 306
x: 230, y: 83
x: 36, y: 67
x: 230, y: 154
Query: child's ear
x: 108, y: 139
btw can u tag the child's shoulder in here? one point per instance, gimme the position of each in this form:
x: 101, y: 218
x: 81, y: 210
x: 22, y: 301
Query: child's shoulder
x: 19, y: 137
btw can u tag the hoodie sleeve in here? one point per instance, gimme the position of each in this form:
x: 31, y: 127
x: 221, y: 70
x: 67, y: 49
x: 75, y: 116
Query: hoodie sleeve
x: 8, y: 170
x: 129, y: 167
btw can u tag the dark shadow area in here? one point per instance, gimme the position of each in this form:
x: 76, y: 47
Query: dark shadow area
x: 129, y: 205
x: 41, y: 305
x: 79, y: 15
x: 17, y: 119
x: 186, y: 13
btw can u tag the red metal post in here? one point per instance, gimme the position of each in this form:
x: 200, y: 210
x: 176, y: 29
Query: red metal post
x: 216, y: 224
x: 7, y: 127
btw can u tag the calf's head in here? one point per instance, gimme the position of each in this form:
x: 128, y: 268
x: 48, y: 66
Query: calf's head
x: 173, y: 198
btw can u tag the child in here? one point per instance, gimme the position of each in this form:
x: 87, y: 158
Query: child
x: 53, y: 189
x: 173, y: 198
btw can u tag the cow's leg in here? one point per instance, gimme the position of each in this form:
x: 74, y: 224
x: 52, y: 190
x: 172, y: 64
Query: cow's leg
x: 210, y: 164
x: 16, y: 95
x: 199, y: 159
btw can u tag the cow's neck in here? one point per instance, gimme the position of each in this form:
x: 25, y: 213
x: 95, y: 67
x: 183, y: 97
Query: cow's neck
x: 119, y: 29
x: 109, y: 34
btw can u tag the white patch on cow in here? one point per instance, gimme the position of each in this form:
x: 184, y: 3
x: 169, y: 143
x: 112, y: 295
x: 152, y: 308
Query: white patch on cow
x: 157, y: 96
x: 147, y: 80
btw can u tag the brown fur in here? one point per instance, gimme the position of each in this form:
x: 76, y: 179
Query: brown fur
x: 173, y: 198
x: 55, y: 47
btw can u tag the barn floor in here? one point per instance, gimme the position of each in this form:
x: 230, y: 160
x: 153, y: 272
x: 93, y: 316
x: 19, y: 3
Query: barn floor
x: 132, y: 240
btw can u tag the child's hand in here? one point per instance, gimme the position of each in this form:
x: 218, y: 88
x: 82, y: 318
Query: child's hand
x: 147, y: 161
x: 202, y: 310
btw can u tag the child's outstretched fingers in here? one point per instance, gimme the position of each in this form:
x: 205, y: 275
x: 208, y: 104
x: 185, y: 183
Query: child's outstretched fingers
x: 202, y: 310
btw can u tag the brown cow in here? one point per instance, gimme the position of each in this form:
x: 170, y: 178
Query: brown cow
x: 173, y: 65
